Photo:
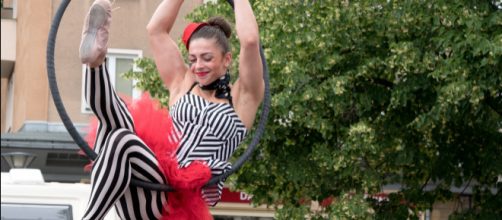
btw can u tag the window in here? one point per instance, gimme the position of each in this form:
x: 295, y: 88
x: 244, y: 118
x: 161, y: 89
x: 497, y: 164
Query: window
x: 118, y: 61
x: 15, y: 211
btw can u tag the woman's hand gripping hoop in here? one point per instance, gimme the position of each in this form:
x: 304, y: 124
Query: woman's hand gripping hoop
x: 92, y: 155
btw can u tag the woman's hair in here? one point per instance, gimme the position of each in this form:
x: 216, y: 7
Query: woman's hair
x: 217, y: 28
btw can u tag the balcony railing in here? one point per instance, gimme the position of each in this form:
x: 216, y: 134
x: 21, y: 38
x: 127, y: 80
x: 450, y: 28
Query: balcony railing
x: 7, y: 13
x: 8, y: 9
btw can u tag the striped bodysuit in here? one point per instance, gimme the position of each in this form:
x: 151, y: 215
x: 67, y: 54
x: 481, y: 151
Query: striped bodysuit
x: 210, y: 132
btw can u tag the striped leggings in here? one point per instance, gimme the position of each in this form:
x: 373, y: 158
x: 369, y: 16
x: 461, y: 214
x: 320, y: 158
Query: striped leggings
x: 121, y: 156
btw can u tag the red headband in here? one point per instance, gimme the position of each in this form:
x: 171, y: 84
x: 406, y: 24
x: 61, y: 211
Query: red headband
x: 189, y: 30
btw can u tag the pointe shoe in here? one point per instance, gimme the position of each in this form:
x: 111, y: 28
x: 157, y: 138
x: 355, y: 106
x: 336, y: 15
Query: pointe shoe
x: 94, y: 42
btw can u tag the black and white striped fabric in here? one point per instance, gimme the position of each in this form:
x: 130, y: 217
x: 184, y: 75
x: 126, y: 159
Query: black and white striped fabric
x: 121, y: 155
x: 210, y: 132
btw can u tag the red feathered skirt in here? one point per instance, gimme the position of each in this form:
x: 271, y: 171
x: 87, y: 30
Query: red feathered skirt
x: 154, y: 126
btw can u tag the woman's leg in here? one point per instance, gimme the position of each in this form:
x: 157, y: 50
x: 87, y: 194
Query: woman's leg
x: 121, y: 154
x: 124, y: 156
x: 110, y: 110
x: 99, y: 93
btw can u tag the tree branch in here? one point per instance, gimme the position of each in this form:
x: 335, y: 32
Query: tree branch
x: 426, y: 182
x: 383, y: 82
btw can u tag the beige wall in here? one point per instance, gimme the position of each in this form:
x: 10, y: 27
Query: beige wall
x: 442, y: 210
x: 30, y: 80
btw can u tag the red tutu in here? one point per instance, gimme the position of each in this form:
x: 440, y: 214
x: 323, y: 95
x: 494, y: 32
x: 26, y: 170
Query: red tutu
x: 155, y: 127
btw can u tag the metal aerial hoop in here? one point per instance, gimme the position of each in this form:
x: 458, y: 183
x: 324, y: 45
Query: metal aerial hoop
x: 51, y: 72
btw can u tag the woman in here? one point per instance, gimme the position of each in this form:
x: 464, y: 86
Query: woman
x: 211, y: 115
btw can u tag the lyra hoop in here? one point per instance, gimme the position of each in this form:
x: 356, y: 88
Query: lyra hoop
x: 51, y: 44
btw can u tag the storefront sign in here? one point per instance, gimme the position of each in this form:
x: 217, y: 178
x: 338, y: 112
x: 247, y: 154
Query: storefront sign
x: 236, y: 197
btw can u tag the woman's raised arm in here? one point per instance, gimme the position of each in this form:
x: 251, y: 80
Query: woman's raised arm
x: 250, y: 81
x: 166, y: 53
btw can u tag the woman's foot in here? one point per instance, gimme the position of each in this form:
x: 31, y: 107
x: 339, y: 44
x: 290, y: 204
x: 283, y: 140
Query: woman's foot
x: 94, y: 42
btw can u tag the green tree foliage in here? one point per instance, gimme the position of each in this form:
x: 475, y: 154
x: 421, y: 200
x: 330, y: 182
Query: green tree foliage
x: 372, y: 93
x: 148, y: 79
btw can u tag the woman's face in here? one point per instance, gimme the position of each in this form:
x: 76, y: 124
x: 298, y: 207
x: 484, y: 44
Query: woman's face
x: 207, y: 61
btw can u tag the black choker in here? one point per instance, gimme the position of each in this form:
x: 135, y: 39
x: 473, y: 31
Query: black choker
x: 222, y: 87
